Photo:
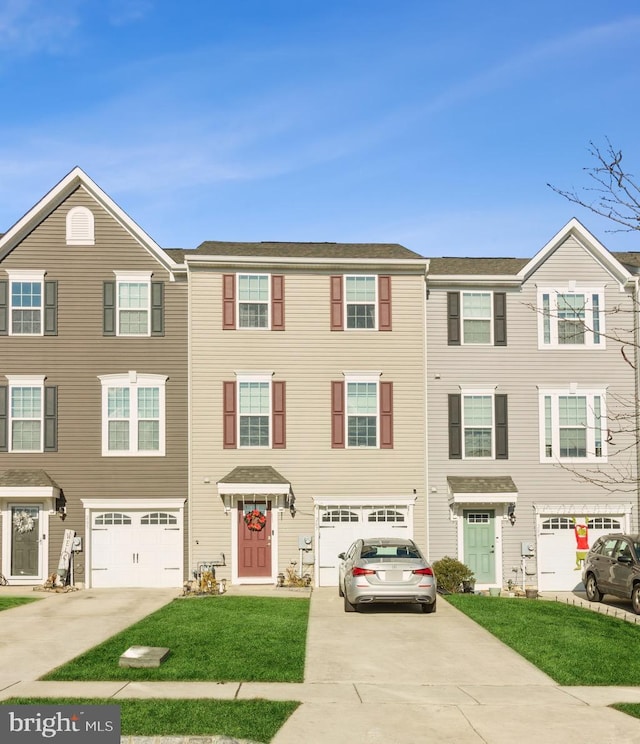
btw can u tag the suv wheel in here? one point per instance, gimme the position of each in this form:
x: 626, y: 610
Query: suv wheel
x: 635, y: 598
x: 593, y: 593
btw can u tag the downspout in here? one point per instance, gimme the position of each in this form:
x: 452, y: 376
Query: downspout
x: 427, y: 521
x: 636, y: 382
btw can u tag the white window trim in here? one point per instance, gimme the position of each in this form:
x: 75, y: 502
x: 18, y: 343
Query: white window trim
x: 253, y: 302
x: 26, y: 275
x: 555, y: 394
x: 374, y: 302
x: 133, y: 381
x: 373, y: 377
x: 32, y: 381
x: 262, y: 377
x: 490, y: 318
x: 89, y: 237
x: 571, y: 288
x: 133, y: 277
x: 488, y: 393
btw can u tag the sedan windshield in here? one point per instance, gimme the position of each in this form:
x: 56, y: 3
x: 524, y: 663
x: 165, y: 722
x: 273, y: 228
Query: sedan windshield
x: 370, y: 552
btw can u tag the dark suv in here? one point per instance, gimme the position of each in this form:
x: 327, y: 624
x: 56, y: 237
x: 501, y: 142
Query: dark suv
x: 612, y: 566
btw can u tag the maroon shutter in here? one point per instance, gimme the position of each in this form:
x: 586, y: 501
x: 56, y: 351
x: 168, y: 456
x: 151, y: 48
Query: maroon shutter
x: 278, y: 405
x: 277, y: 302
x: 337, y: 415
x: 228, y: 302
x: 384, y: 303
x: 229, y: 415
x: 386, y: 415
x: 337, y: 310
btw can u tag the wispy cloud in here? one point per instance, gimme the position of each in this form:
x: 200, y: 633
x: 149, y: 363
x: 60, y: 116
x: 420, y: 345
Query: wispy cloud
x: 29, y: 26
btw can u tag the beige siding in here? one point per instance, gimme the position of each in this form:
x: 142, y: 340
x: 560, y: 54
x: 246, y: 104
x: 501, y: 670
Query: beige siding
x: 518, y: 370
x: 75, y: 358
x: 308, y: 356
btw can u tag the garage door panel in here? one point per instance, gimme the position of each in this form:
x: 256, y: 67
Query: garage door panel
x: 340, y: 526
x: 562, y: 542
x: 136, y: 549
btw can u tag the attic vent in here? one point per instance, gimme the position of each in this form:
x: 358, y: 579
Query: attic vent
x: 80, y: 227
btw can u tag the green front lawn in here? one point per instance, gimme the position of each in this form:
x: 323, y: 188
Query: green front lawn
x: 6, y: 603
x: 258, y: 720
x: 221, y: 639
x: 574, y: 646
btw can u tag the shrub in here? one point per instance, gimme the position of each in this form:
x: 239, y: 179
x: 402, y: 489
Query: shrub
x: 450, y: 574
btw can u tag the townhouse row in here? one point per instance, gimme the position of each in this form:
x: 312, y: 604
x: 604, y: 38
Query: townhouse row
x: 260, y: 405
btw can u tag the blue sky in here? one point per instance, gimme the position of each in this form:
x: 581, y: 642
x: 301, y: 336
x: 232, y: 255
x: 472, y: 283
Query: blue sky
x: 432, y: 124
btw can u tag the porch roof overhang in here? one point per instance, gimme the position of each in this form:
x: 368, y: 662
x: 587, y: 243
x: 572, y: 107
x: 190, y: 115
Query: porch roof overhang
x: 28, y: 484
x: 483, y: 489
x: 253, y: 480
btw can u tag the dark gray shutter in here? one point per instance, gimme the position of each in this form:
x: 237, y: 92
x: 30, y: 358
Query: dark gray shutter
x: 51, y: 308
x: 502, y: 439
x: 455, y: 426
x: 453, y: 318
x: 4, y: 438
x: 500, y: 318
x: 50, y: 418
x: 109, y: 309
x: 4, y: 309
x: 157, y: 308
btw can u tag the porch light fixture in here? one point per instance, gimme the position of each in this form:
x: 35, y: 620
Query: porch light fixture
x: 511, y: 513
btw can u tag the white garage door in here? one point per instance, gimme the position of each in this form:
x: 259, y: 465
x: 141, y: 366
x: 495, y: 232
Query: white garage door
x: 562, y: 541
x: 136, y: 548
x: 339, y: 526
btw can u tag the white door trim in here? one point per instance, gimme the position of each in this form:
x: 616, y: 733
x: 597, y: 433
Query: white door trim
x: 498, y: 519
x: 43, y: 540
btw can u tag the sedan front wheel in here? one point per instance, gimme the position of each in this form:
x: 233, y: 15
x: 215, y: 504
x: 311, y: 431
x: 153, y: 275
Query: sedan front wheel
x: 635, y: 598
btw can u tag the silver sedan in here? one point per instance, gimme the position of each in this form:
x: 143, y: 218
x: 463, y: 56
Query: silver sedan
x: 380, y: 569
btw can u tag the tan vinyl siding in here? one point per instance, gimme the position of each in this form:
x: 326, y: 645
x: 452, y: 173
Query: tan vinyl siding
x: 75, y: 358
x: 308, y: 356
x: 518, y: 370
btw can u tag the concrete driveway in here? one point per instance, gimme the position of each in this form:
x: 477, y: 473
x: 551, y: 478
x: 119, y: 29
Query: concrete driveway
x: 383, y: 676
x: 42, y: 635
x: 402, y: 677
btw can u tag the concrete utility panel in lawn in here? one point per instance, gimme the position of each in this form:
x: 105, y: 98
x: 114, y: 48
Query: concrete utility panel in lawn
x: 143, y: 656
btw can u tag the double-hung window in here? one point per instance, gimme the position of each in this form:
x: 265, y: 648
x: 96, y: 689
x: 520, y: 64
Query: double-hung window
x: 361, y: 301
x: 478, y: 425
x: 573, y: 425
x: 477, y: 422
x: 133, y: 414
x: 133, y: 304
x: 26, y: 291
x: 254, y: 412
x: 477, y: 317
x: 571, y: 317
x: 362, y: 413
x: 26, y: 414
x: 253, y: 300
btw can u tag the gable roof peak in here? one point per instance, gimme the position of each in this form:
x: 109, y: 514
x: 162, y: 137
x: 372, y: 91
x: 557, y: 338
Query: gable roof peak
x: 574, y: 228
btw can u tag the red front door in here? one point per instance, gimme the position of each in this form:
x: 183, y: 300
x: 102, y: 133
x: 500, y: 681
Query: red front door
x: 254, y: 546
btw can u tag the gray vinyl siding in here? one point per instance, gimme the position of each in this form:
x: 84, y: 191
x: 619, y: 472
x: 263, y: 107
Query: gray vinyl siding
x: 518, y: 370
x: 75, y: 358
x: 308, y: 356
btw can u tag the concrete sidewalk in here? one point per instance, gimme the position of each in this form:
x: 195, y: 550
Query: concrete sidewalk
x: 383, y: 676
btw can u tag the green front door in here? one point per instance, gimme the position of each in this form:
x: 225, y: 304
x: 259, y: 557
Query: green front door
x: 479, y: 544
